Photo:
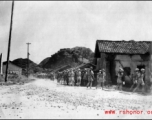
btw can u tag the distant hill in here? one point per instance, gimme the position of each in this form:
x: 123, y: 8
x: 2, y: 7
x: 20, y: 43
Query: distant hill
x: 44, y: 61
x: 67, y: 56
x: 33, y: 67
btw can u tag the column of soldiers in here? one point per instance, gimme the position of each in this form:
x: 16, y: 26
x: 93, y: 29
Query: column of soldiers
x: 73, y: 77
x: 138, y: 79
x: 77, y: 77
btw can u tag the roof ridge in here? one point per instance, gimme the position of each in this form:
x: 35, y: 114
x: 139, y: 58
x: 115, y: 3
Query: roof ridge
x: 122, y: 40
x: 127, y: 47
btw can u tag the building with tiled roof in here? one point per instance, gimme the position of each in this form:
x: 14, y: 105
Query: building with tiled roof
x: 12, y: 68
x: 111, y: 55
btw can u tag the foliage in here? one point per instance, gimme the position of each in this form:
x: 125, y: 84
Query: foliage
x: 66, y: 56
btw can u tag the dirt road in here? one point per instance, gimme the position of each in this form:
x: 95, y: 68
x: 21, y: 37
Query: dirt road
x: 45, y: 99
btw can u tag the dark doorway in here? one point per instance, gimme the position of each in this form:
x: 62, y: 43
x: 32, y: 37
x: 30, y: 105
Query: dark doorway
x: 127, y: 78
x: 127, y: 70
x: 112, y: 72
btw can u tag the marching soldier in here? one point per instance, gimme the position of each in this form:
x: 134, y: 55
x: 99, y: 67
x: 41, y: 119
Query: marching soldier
x: 90, y: 77
x: 78, y: 77
x: 143, y: 74
x: 58, y: 77
x: 99, y: 79
x: 71, y: 77
x: 119, y: 79
x: 134, y: 78
x: 85, y: 77
x: 64, y: 76
x: 67, y: 77
x: 140, y: 81
x: 75, y: 77
x: 61, y: 78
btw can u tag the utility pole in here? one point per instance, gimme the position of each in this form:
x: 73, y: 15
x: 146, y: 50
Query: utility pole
x: 28, y: 58
x: 9, y: 42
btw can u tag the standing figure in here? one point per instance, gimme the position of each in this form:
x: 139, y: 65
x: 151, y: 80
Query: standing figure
x: 61, y: 78
x: 103, y: 77
x: 78, y: 77
x: 58, y: 77
x: 85, y: 77
x: 64, y: 76
x: 143, y: 78
x: 75, y: 77
x: 67, y: 77
x: 99, y: 79
x: 54, y: 76
x: 141, y: 82
x: 90, y: 77
x: 134, y: 78
x: 71, y: 77
x: 119, y: 79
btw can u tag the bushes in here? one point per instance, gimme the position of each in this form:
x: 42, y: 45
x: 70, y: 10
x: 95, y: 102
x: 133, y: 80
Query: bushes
x: 12, y: 79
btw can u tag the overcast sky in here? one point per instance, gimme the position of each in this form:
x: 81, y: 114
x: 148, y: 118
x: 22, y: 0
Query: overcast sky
x: 51, y: 25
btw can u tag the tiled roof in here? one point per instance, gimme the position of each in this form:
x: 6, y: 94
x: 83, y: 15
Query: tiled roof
x: 10, y: 62
x: 124, y: 47
x: 84, y: 65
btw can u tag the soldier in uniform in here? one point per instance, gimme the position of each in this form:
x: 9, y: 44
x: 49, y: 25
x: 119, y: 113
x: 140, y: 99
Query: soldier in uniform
x: 134, y: 78
x: 90, y: 76
x: 78, y: 77
x: 67, y: 77
x: 75, y: 76
x: 84, y: 77
x: 71, y: 77
x: 64, y: 76
x: 119, y: 79
x: 58, y: 77
x: 61, y: 78
x: 140, y: 81
x: 99, y: 79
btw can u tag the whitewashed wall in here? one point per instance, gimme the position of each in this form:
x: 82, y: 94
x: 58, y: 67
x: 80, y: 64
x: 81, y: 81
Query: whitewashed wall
x: 128, y: 61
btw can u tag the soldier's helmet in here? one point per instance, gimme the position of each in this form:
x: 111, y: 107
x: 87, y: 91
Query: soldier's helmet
x: 136, y: 69
x: 121, y: 69
x: 143, y: 69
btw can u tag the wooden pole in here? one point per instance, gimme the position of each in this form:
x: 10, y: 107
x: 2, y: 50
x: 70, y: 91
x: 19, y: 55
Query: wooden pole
x: 1, y: 63
x: 28, y: 58
x: 9, y: 42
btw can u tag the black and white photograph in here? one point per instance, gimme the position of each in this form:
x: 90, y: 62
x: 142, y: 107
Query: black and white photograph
x: 75, y: 59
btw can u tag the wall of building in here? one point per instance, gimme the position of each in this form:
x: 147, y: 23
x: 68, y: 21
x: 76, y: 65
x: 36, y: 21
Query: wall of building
x: 98, y: 66
x: 12, y: 69
x: 121, y: 60
x: 129, y: 61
